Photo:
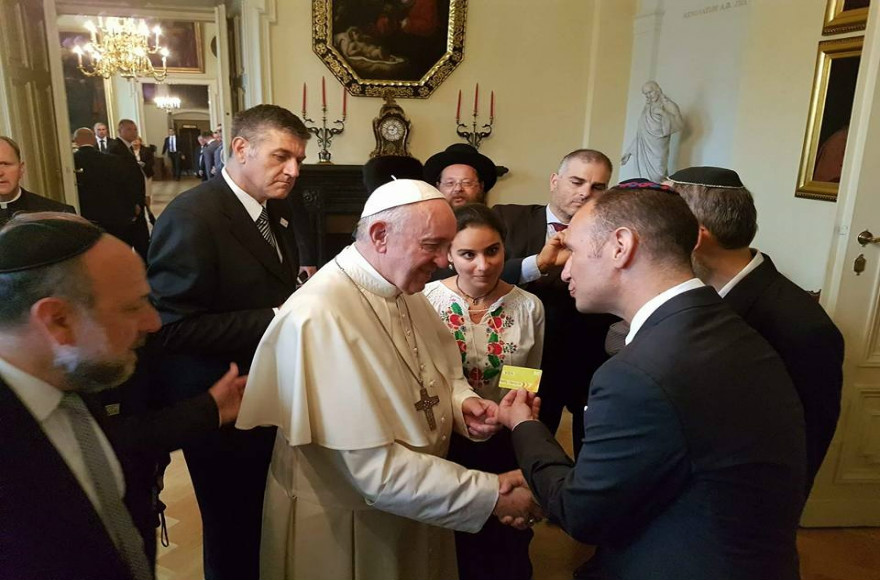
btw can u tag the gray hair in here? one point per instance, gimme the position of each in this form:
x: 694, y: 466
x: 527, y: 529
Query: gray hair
x: 587, y: 156
x: 728, y: 213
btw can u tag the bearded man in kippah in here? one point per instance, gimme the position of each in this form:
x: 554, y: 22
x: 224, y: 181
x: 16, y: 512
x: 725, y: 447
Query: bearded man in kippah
x: 364, y: 383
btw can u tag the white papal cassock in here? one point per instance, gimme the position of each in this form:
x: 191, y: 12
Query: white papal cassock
x: 358, y: 487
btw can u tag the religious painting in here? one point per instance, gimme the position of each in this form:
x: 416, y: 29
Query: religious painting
x: 86, y: 101
x: 834, y: 90
x: 845, y: 16
x: 183, y: 39
x: 400, y: 48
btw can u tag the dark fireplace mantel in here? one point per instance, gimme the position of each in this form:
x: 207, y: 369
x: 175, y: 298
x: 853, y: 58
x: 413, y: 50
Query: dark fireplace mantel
x: 334, y: 196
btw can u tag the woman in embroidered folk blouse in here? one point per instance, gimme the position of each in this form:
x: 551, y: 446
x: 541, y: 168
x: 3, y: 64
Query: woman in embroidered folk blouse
x: 494, y: 323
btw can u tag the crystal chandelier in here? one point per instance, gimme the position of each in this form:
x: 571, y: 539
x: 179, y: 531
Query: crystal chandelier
x: 121, y: 46
x: 168, y: 103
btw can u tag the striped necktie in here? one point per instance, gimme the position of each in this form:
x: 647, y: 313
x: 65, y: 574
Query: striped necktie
x: 113, y: 512
x: 265, y: 230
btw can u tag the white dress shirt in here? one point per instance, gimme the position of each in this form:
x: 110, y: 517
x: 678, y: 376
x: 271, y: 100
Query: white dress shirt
x: 756, y: 261
x: 43, y: 401
x: 649, y: 307
x: 251, y: 205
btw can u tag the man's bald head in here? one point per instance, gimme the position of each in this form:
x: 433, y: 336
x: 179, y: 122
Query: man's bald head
x: 84, y: 136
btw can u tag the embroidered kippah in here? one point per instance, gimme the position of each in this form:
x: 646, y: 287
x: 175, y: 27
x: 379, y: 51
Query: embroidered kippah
x: 639, y: 183
x: 708, y: 177
x: 28, y: 245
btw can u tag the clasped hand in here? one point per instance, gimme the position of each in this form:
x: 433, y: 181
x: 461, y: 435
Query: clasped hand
x: 481, y: 417
x: 515, y: 506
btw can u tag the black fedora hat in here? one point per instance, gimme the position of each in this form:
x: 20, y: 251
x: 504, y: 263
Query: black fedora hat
x: 461, y: 154
x: 380, y: 170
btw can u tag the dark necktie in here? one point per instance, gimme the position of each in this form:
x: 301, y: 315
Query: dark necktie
x: 103, y: 146
x: 558, y: 226
x: 113, y: 512
x: 265, y: 230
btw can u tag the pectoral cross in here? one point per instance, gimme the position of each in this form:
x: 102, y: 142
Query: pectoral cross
x: 425, y: 404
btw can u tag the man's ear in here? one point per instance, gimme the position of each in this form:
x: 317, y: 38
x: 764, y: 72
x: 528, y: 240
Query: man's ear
x: 625, y: 244
x: 704, y: 238
x: 55, y: 317
x: 239, y: 147
x: 379, y: 236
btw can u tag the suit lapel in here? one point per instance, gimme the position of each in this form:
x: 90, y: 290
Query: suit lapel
x: 245, y: 231
x: 537, y: 230
x: 35, y: 454
x: 283, y: 237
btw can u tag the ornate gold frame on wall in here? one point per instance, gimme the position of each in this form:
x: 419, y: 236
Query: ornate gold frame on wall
x: 358, y: 85
x: 829, y: 51
x: 838, y: 20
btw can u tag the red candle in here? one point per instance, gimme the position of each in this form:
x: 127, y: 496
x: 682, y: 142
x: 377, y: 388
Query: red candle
x: 344, y: 102
x: 492, y: 105
x: 323, y: 93
x: 458, y: 108
x: 476, y: 98
x: 304, y: 99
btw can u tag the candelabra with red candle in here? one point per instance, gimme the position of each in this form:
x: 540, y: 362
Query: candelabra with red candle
x: 324, y: 133
x: 474, y: 137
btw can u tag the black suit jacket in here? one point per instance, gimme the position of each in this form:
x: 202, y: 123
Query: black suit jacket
x: 693, y: 460
x: 135, y: 175
x: 105, y: 193
x: 209, y: 157
x: 574, y: 343
x: 148, y: 159
x: 48, y: 526
x: 31, y: 202
x: 809, y: 343
x: 215, y: 281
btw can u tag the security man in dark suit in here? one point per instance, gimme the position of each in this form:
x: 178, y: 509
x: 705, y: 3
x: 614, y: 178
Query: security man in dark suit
x: 693, y: 458
x: 103, y: 183
x: 789, y: 319
x: 574, y: 344
x: 13, y: 197
x: 121, y: 146
x: 170, y: 147
x: 223, y: 257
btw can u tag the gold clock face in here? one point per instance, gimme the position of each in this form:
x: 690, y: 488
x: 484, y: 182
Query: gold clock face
x: 392, y: 129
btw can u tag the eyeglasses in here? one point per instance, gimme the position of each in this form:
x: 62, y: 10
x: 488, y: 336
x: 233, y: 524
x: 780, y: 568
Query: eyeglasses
x: 464, y: 183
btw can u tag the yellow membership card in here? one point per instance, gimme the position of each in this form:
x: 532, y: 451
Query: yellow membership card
x: 520, y: 378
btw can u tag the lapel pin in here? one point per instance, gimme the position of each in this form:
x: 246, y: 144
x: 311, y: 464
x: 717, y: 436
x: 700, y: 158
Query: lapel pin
x: 283, y: 222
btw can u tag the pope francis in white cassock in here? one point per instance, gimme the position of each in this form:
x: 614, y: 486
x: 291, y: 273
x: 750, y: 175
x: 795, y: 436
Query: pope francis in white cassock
x: 364, y: 383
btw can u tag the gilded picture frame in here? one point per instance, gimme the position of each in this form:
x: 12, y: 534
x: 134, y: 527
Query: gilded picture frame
x: 183, y: 39
x: 400, y: 48
x: 845, y: 16
x: 834, y: 85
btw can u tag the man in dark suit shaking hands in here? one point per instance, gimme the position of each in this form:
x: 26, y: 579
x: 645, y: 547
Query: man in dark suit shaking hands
x: 693, y: 458
x: 223, y: 257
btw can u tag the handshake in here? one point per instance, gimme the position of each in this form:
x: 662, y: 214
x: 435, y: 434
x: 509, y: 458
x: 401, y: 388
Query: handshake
x: 516, y: 506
